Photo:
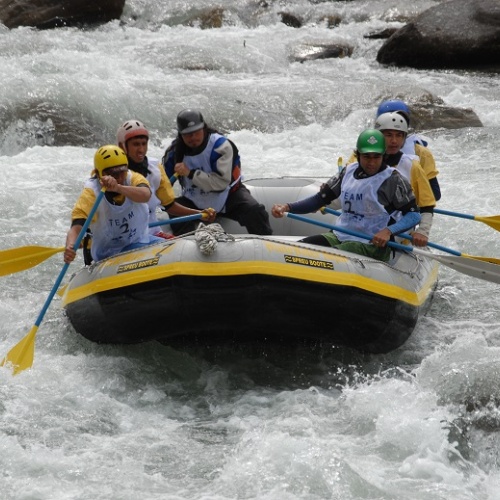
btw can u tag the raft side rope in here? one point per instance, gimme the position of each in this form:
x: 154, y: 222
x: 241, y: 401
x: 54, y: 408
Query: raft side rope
x: 208, y: 236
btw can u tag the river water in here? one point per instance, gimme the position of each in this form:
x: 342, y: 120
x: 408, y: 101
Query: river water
x: 148, y: 421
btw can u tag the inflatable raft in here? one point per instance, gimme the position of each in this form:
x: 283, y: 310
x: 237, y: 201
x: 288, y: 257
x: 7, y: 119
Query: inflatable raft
x: 249, y: 288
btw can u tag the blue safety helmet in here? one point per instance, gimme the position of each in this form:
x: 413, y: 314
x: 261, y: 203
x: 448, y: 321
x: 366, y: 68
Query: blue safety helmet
x: 394, y: 106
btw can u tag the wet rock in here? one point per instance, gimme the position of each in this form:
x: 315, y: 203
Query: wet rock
x: 312, y: 51
x: 207, y: 19
x: 381, y: 35
x: 46, y: 124
x: 458, y: 436
x: 46, y: 14
x: 331, y: 21
x: 290, y: 20
x: 430, y: 112
x: 428, y: 116
x: 484, y: 413
x: 454, y: 34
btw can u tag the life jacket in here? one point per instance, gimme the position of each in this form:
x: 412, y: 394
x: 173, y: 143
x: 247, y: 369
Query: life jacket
x: 117, y: 226
x: 361, y: 210
x: 173, y: 155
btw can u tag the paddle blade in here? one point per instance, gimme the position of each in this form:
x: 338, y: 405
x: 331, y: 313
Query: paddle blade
x: 493, y: 221
x: 20, y: 357
x: 492, y: 260
x: 15, y: 260
x: 477, y: 268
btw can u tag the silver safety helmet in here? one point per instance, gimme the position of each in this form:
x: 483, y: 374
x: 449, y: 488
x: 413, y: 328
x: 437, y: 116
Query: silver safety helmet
x: 391, y: 121
x: 131, y: 128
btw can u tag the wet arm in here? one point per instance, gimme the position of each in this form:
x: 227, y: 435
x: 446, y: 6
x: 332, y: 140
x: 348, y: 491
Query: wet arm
x: 140, y: 193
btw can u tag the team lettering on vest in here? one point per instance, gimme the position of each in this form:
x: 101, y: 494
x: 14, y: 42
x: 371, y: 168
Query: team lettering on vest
x: 124, y: 220
x: 353, y: 197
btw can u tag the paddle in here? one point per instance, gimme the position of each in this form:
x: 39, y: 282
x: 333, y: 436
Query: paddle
x: 19, y: 259
x: 339, y: 164
x: 14, y: 260
x: 21, y: 355
x: 492, y: 221
x: 477, y: 269
x: 493, y: 260
x: 176, y: 220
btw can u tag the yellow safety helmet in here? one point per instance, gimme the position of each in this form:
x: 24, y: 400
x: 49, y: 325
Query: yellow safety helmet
x: 110, y: 156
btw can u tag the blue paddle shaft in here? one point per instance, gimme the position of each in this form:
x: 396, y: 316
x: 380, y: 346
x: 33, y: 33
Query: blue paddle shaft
x: 76, y: 246
x: 392, y: 244
x: 177, y: 220
x: 408, y: 236
x: 453, y: 214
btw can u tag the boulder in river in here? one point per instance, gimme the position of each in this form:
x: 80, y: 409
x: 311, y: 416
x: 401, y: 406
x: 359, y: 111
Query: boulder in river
x: 455, y: 34
x: 47, y: 14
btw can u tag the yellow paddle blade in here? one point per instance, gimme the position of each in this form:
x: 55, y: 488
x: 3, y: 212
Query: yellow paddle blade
x: 20, y: 357
x: 493, y: 221
x: 14, y: 260
x: 492, y: 260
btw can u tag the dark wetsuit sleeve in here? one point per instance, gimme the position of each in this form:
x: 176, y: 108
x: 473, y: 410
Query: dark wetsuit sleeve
x: 307, y: 205
x: 396, y: 194
x: 331, y: 190
x: 436, y: 189
x: 78, y: 222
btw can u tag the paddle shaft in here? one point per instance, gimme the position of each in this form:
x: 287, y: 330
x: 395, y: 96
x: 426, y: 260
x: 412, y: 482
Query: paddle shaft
x: 453, y: 214
x: 364, y: 236
x: 176, y: 220
x: 493, y: 220
x: 76, y: 246
x: 405, y: 235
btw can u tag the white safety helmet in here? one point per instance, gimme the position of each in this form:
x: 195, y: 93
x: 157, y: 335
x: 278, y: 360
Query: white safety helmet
x: 131, y: 128
x: 391, y: 121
